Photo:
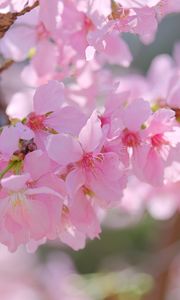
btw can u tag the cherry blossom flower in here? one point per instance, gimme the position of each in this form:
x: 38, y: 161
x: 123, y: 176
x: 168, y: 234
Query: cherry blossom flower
x: 24, y: 200
x: 51, y: 115
x: 101, y: 173
x: 161, y: 136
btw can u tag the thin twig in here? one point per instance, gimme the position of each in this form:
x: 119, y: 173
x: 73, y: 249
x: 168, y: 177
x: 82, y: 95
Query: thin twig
x: 6, y: 20
x: 6, y: 64
x: 3, y: 117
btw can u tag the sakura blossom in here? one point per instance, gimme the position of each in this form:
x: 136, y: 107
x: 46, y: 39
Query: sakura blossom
x: 67, y: 165
x: 89, y: 149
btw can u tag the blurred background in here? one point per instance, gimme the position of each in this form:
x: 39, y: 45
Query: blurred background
x: 137, y: 256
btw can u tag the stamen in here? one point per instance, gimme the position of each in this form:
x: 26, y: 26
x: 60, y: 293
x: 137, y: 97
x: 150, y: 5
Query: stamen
x: 158, y: 140
x: 130, y: 139
x: 36, y: 122
x: 17, y: 198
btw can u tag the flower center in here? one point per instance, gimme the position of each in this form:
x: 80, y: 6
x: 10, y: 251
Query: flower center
x: 130, y: 139
x: 17, y: 198
x: 104, y: 120
x: 89, y: 161
x: 158, y: 140
x: 88, y: 24
x: 36, y: 122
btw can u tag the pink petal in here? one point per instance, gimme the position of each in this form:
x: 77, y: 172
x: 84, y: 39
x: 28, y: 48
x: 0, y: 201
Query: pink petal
x: 136, y: 114
x: 117, y: 51
x: 37, y: 164
x: 45, y: 68
x: 139, y: 158
x: 173, y: 97
x: 107, y: 192
x: 90, y: 53
x: 67, y: 120
x: 74, y: 181
x: 50, y: 19
x: 54, y: 183
x: 24, y: 132
x: 17, y: 42
x: 4, y: 205
x: 73, y: 238
x: 83, y: 216
x: 34, y: 211
x: 111, y: 166
x: 42, y: 190
x: 9, y: 139
x: 64, y: 149
x: 49, y: 97
x: 161, y: 121
x: 154, y: 169
x: 15, y: 182
x: 91, y: 134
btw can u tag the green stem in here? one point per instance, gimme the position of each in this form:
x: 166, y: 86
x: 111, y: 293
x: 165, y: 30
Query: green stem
x: 9, y: 167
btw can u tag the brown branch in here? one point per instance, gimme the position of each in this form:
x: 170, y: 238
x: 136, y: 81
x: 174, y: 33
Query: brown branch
x: 6, y: 64
x: 3, y: 116
x: 170, y: 236
x: 6, y: 20
x: 112, y: 297
x: 2, y: 106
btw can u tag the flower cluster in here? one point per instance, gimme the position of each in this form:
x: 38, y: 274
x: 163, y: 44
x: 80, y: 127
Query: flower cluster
x: 59, y: 167
x: 77, y: 31
x: 162, y: 201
